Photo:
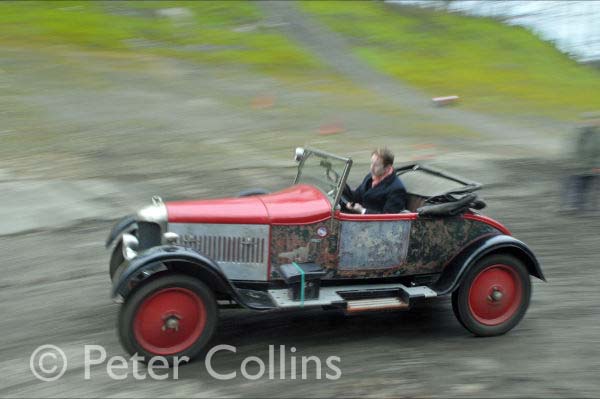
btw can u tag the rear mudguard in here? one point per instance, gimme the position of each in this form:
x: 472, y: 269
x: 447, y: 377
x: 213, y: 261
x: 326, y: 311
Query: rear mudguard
x: 455, y: 271
x: 123, y: 225
x: 182, y: 260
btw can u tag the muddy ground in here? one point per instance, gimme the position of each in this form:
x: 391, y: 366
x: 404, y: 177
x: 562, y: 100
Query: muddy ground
x: 55, y: 291
x: 87, y: 138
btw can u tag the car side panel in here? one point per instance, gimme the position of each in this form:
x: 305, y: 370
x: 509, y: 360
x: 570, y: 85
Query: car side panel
x: 435, y: 241
x: 316, y: 242
x: 432, y: 244
x: 421, y: 245
x: 373, y: 245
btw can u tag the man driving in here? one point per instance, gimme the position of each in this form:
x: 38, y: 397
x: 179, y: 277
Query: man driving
x: 381, y: 190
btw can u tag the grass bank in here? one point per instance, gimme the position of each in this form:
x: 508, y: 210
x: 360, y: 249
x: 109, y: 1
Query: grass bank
x: 491, y: 66
x: 219, y: 33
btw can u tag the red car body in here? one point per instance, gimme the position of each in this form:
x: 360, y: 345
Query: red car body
x: 298, y: 248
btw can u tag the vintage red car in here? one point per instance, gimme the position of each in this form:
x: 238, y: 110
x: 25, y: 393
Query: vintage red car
x: 174, y: 264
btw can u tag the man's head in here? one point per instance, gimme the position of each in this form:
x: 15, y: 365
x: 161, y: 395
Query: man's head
x: 381, y: 160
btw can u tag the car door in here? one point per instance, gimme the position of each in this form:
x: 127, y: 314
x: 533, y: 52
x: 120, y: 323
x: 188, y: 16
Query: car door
x: 373, y: 245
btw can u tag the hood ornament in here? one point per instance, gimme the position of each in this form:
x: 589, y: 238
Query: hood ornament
x: 157, y: 201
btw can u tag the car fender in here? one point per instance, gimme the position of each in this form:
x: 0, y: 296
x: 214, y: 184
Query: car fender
x: 123, y: 225
x: 452, y: 275
x: 186, y: 260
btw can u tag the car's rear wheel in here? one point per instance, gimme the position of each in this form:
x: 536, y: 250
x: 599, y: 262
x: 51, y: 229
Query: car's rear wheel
x: 494, y: 295
x: 171, y: 315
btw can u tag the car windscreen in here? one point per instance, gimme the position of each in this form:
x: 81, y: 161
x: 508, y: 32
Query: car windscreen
x: 323, y: 172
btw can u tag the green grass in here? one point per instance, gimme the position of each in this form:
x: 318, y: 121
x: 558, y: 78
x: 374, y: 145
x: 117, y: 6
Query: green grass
x: 220, y: 33
x: 491, y: 66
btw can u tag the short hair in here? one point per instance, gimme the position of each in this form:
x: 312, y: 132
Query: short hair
x: 386, y: 156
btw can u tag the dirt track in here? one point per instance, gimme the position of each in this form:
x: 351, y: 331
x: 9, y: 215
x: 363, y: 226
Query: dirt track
x: 115, y: 136
x: 55, y: 291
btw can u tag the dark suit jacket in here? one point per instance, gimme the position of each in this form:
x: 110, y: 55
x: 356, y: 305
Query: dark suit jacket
x: 389, y: 196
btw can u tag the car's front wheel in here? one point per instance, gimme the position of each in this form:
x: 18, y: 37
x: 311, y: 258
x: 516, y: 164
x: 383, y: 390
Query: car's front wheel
x: 173, y: 315
x: 494, y: 295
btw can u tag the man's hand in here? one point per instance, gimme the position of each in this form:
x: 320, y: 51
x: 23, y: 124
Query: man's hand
x: 357, y: 208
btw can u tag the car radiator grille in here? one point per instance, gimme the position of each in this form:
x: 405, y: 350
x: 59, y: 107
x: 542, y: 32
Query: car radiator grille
x: 148, y: 235
x: 241, y: 250
x: 227, y: 249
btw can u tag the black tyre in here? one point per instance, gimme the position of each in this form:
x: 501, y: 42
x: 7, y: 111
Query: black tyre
x: 493, y: 296
x: 171, y: 315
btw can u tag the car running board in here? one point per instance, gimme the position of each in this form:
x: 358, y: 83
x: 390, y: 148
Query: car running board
x: 366, y: 305
x: 357, y: 298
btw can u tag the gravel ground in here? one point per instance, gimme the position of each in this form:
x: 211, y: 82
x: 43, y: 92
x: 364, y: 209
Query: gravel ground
x: 55, y: 291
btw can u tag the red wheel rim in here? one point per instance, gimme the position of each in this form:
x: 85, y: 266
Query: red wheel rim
x: 495, y: 295
x: 169, y: 321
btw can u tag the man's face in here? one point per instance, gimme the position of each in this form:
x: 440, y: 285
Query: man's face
x: 377, y: 168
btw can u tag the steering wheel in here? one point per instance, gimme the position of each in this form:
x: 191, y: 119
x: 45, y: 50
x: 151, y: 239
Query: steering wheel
x: 346, y: 197
x: 335, y: 178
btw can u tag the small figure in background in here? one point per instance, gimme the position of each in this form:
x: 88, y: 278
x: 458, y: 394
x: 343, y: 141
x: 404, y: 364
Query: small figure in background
x: 582, y: 186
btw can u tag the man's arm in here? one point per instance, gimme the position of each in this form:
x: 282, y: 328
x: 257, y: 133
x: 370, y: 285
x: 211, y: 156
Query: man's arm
x: 357, y: 195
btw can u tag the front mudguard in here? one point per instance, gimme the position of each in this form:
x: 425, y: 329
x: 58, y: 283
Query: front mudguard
x: 123, y: 225
x: 178, y: 259
x: 452, y: 275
